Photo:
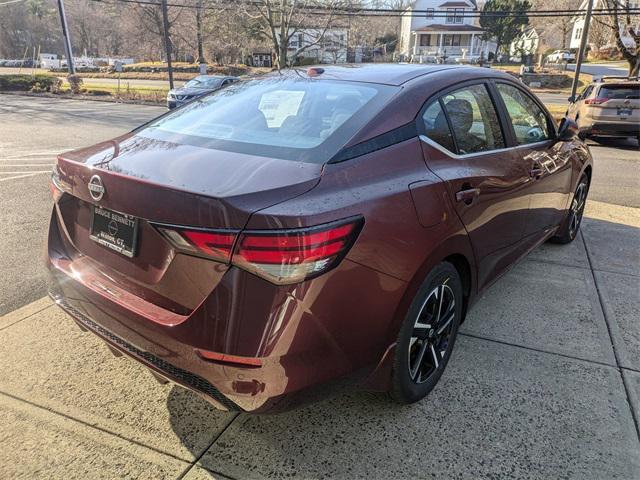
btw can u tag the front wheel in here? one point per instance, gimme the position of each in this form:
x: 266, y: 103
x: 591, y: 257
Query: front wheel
x: 427, y: 335
x: 569, y: 229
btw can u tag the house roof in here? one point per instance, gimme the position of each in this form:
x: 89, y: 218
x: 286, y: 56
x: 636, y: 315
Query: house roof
x: 449, y: 28
x: 454, y: 4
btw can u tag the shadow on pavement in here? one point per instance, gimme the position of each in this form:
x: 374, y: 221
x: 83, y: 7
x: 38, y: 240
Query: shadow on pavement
x: 620, y: 143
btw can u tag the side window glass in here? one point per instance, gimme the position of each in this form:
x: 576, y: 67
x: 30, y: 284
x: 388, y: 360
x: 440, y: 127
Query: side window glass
x: 436, y: 126
x: 585, y: 93
x: 473, y: 119
x: 529, y: 121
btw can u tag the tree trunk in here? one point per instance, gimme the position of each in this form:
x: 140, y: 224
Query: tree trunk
x: 284, y: 37
x: 634, y: 66
x: 201, y: 58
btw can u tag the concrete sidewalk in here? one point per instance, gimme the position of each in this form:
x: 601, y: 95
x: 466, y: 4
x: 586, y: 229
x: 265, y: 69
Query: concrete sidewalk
x: 544, y: 383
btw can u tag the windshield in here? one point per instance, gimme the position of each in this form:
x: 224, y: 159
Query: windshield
x: 203, y: 82
x: 282, y: 117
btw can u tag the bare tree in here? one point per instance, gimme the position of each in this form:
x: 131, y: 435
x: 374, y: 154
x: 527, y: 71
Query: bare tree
x: 560, y: 25
x: 621, y: 12
x: 281, y: 20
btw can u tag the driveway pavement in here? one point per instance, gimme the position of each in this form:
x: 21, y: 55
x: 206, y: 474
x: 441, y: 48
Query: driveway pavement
x: 544, y: 383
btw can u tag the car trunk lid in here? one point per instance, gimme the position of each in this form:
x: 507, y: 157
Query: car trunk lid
x: 158, y: 182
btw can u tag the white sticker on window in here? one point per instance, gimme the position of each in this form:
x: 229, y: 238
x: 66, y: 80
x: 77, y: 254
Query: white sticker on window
x: 276, y: 106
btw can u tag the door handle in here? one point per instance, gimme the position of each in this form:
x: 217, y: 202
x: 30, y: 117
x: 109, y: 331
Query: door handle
x: 536, y: 172
x: 467, y: 195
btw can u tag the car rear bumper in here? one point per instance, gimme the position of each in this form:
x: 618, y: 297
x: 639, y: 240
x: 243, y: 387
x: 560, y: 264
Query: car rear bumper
x: 611, y: 129
x: 305, y: 339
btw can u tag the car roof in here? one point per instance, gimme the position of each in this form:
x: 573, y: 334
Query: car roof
x: 382, y: 73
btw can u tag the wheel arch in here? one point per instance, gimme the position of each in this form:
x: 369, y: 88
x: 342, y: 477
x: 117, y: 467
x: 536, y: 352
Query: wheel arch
x: 455, y: 249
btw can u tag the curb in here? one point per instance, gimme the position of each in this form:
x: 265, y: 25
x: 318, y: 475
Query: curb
x: 25, y: 312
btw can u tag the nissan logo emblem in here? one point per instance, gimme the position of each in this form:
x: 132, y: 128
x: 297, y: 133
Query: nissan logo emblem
x: 96, y: 189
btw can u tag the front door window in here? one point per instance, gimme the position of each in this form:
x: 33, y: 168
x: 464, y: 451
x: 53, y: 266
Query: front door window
x: 530, y: 123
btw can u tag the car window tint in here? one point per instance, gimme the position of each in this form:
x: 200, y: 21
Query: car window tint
x: 530, y: 123
x: 436, y: 126
x: 585, y: 93
x: 473, y: 119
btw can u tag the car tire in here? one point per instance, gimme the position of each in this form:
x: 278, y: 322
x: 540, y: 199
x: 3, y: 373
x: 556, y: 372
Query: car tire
x: 571, y: 225
x: 423, y: 349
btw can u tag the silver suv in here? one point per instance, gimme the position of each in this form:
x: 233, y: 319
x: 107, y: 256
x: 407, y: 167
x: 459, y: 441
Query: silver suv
x: 608, y: 107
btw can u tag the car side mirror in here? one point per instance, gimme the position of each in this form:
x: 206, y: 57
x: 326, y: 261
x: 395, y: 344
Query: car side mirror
x: 571, y: 99
x: 568, y: 130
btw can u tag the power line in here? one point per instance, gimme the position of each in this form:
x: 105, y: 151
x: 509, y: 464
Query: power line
x: 10, y: 2
x: 371, y: 12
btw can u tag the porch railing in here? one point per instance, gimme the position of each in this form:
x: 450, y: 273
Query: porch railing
x: 449, y: 51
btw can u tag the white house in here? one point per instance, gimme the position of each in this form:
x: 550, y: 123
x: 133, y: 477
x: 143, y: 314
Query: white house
x: 578, y: 23
x: 437, y: 30
x: 529, y: 42
x: 328, y: 46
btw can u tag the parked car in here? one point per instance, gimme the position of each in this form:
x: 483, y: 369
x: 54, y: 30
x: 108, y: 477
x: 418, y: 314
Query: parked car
x: 608, y: 107
x: 560, y: 56
x: 291, y: 234
x: 197, y: 87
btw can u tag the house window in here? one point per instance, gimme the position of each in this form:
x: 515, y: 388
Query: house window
x: 455, y: 15
x: 430, y: 12
x: 451, y: 40
x: 425, y: 40
x: 578, y: 33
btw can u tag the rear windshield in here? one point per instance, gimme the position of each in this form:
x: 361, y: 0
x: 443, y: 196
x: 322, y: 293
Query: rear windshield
x: 307, y: 120
x: 619, y: 91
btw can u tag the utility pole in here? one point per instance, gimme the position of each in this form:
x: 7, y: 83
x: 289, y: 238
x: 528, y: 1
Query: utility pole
x: 583, y: 48
x: 167, y: 41
x: 67, y: 40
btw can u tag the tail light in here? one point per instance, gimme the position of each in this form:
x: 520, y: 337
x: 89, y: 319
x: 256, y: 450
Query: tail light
x: 290, y: 256
x: 216, y: 245
x: 279, y: 256
x: 595, y: 101
x: 55, y: 185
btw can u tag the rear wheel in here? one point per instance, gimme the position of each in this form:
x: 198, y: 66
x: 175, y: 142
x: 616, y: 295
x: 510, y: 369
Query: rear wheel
x: 571, y: 226
x: 427, y: 335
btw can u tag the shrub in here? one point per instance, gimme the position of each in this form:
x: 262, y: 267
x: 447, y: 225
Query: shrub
x: 75, y: 83
x: 42, y: 83
x: 98, y: 92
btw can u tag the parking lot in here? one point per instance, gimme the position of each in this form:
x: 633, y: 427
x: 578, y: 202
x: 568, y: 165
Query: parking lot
x: 544, y: 381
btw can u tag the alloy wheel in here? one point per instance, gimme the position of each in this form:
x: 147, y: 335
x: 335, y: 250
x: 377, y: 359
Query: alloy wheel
x: 430, y: 338
x: 577, y: 208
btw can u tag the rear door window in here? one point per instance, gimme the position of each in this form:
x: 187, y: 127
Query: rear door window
x: 473, y: 120
x: 530, y: 122
x: 437, y: 127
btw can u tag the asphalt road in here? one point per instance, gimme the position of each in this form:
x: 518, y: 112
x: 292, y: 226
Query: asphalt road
x: 33, y: 130
x: 614, y: 69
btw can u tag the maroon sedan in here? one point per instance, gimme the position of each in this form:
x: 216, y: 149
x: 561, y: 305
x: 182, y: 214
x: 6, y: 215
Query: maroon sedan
x: 301, y: 231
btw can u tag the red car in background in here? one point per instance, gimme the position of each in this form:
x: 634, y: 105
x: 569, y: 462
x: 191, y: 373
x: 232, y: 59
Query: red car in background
x: 292, y: 233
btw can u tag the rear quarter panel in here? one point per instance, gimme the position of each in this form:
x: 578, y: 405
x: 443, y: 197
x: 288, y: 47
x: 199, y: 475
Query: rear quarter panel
x: 409, y: 225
